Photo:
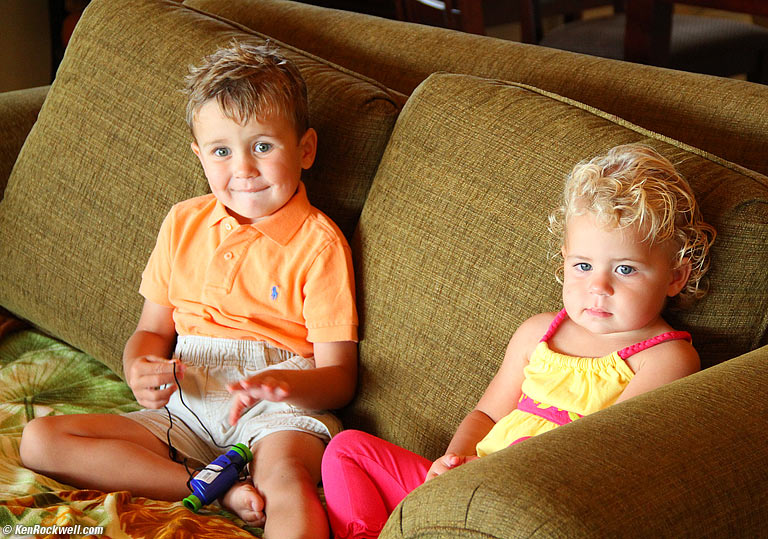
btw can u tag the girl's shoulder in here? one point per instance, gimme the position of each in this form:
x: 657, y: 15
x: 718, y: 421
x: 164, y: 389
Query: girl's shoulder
x: 524, y: 340
x: 534, y: 328
x: 674, y: 355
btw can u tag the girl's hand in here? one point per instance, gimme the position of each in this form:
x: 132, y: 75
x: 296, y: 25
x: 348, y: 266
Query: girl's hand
x: 447, y: 462
x: 151, y: 380
x: 245, y: 393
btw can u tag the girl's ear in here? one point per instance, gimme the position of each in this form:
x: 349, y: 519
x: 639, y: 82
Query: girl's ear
x: 308, y: 147
x: 679, y: 277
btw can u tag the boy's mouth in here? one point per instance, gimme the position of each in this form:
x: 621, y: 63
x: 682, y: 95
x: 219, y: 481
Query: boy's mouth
x: 248, y: 190
x: 598, y: 313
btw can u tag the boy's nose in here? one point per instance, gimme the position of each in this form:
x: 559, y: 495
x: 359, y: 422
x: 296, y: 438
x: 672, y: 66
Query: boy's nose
x: 246, y: 166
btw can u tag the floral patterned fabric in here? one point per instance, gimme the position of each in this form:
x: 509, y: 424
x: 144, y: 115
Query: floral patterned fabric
x: 41, y: 376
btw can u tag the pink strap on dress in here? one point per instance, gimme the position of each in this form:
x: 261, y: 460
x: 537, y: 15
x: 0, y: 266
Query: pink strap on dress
x: 629, y: 351
x: 625, y: 353
x: 559, y: 317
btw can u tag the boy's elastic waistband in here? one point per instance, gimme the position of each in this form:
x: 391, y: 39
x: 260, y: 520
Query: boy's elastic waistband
x: 213, y: 352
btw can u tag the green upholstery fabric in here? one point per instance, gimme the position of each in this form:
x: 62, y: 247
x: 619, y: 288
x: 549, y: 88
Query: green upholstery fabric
x: 451, y: 248
x: 110, y: 155
x: 18, y: 112
x: 726, y: 117
x: 685, y: 460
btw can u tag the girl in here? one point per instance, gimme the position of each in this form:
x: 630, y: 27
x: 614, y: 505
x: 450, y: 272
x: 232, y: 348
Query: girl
x: 631, y: 236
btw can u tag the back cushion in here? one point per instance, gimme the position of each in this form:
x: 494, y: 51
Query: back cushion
x: 452, y: 247
x: 725, y: 116
x: 110, y: 154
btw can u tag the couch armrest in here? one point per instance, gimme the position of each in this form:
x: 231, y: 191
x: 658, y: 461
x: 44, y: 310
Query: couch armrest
x: 18, y: 113
x: 687, y: 459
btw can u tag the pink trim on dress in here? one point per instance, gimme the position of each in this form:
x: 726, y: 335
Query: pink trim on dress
x: 552, y: 414
x: 559, y: 317
x: 524, y: 438
x: 629, y: 351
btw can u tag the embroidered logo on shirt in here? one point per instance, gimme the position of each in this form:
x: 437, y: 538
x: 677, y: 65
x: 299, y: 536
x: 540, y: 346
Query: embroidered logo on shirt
x: 274, y: 293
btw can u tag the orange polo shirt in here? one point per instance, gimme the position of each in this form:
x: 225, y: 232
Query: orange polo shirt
x: 287, y: 279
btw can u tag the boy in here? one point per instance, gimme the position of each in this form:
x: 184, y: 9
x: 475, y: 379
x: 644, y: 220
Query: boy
x: 255, y: 287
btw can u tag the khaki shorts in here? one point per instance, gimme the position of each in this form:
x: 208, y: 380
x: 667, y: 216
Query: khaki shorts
x: 211, y: 364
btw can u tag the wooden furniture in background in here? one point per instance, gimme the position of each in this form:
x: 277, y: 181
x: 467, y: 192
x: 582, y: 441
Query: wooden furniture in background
x: 532, y: 13
x: 648, y: 32
x: 464, y: 15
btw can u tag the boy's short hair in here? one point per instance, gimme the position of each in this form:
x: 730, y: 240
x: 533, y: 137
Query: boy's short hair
x: 632, y: 185
x: 248, y: 81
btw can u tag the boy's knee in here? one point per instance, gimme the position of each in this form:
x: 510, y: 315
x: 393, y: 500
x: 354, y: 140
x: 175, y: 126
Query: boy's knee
x: 38, y: 435
x: 282, y: 473
x: 284, y: 476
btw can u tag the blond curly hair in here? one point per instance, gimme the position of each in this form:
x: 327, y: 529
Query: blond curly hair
x: 248, y: 81
x: 634, y: 186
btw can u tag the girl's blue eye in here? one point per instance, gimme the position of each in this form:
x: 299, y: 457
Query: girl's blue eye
x: 583, y: 266
x: 262, y: 147
x: 221, y: 152
x: 625, y: 270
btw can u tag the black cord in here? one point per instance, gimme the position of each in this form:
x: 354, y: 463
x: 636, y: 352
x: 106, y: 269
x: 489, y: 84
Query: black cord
x: 173, y: 453
x: 181, y: 398
x: 172, y: 450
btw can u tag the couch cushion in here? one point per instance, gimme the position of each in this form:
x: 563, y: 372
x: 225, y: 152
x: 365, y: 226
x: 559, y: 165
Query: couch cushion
x: 451, y: 248
x: 727, y: 117
x: 110, y: 154
x: 18, y: 113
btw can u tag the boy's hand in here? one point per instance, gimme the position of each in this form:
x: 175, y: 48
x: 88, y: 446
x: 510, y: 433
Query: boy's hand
x: 151, y: 379
x: 447, y: 462
x: 245, y: 393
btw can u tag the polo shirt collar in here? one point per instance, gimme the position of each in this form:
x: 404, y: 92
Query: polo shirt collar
x: 281, y: 225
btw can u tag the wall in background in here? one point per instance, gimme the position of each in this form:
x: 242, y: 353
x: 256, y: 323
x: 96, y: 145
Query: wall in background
x: 25, y: 44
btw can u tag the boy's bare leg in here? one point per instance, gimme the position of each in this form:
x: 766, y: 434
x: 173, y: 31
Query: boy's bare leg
x: 286, y: 471
x: 105, y: 452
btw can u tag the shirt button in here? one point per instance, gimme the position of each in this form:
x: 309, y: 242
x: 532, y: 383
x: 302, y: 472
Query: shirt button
x: 228, y: 227
x: 228, y: 256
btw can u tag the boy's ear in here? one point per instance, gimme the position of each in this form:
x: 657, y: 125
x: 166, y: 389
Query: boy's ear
x: 195, y: 148
x: 308, y: 147
x: 679, y: 277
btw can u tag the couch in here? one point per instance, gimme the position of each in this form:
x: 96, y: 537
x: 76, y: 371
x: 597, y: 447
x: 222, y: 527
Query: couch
x: 440, y: 156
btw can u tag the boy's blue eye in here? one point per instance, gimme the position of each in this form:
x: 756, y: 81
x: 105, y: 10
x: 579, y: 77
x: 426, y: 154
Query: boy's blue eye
x: 262, y: 147
x: 625, y: 270
x: 221, y: 152
x: 583, y: 266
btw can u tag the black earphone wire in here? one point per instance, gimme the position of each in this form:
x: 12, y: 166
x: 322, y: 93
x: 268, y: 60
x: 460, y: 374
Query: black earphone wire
x: 173, y: 453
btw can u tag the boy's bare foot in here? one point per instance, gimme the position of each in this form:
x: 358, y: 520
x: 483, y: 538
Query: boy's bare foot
x: 245, y: 501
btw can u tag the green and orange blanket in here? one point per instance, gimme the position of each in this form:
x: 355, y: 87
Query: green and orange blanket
x: 41, y: 376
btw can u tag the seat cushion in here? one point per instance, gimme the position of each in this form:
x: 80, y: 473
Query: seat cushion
x: 110, y: 154
x: 452, y: 247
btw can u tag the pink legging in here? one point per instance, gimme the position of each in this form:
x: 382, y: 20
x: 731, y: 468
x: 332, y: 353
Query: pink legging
x: 364, y: 478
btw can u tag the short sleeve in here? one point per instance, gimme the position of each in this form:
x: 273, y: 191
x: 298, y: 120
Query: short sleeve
x: 329, y: 291
x: 156, y: 276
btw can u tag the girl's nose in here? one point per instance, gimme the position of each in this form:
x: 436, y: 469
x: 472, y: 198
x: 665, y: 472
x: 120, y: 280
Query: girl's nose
x: 600, y: 285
